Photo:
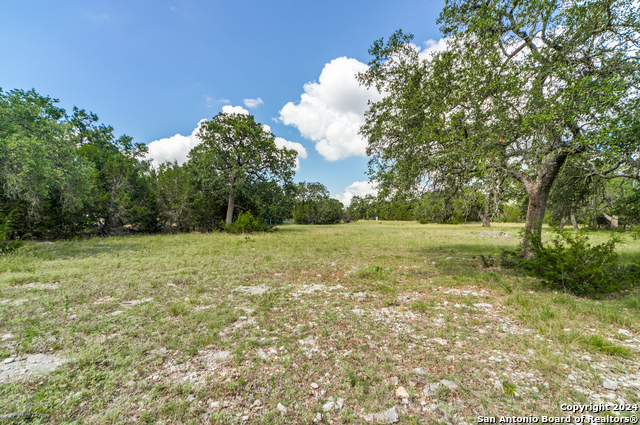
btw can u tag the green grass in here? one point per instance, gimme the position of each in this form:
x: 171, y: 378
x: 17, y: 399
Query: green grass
x: 196, y: 328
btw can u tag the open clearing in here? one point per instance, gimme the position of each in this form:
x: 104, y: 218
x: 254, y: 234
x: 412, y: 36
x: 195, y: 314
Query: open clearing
x: 333, y: 324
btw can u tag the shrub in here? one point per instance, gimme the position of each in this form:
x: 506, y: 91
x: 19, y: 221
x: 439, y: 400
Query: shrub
x: 511, y: 214
x: 6, y: 244
x: 571, y: 264
x: 247, y: 223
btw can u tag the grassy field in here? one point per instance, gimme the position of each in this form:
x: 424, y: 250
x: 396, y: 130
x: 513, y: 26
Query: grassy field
x: 308, y: 324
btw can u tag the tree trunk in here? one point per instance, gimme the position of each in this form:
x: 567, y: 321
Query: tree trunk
x: 574, y: 222
x: 231, y: 205
x: 563, y: 221
x: 485, y: 217
x: 613, y: 221
x: 538, y: 191
x: 483, y: 213
x: 535, y: 215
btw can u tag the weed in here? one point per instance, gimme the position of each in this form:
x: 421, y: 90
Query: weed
x: 600, y: 344
x: 489, y: 261
x: 509, y: 388
x: 374, y: 272
x: 179, y: 309
x: 422, y: 306
x: 442, y: 393
x: 386, y: 289
x: 6, y: 244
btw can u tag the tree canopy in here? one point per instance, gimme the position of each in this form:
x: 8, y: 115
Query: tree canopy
x: 38, y: 162
x: 315, y: 206
x: 239, y: 151
x: 521, y: 87
x: 65, y: 174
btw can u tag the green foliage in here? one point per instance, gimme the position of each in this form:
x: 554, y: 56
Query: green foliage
x: 363, y: 208
x: 507, y: 98
x: 7, y: 245
x: 509, y: 387
x: 511, y: 214
x: 324, y: 211
x: 40, y: 171
x: 627, y: 206
x: 314, y: 206
x: 443, y: 207
x: 247, y: 223
x: 374, y: 272
x: 66, y: 175
x: 123, y: 195
x: 237, y: 151
x: 571, y: 264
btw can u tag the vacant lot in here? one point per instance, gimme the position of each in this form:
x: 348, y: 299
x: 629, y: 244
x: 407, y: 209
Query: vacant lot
x: 332, y: 324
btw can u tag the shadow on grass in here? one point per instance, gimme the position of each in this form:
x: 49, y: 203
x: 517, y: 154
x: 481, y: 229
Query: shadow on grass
x: 61, y: 250
x: 460, y: 250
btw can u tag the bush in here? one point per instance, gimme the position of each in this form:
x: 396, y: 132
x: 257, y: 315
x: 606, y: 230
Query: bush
x: 7, y: 245
x: 247, y: 223
x: 322, y: 211
x: 571, y: 264
x: 511, y: 214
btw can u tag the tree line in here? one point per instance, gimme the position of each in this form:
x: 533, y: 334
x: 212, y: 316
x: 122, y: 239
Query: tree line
x: 65, y: 174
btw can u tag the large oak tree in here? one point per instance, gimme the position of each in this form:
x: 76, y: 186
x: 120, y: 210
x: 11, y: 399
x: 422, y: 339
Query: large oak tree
x: 521, y: 87
x: 240, y: 151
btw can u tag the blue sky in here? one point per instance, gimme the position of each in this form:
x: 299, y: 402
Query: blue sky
x: 154, y: 69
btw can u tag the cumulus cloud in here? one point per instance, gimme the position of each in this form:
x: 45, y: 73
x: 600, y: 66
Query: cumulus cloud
x: 284, y: 143
x: 253, y: 103
x: 360, y: 189
x: 331, y: 110
x: 228, y: 109
x: 177, y: 147
x: 302, y: 152
x: 174, y: 148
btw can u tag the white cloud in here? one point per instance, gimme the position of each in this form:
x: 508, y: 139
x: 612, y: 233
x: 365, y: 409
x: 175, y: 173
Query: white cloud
x: 361, y: 189
x: 228, y: 109
x: 331, y: 110
x: 253, y: 103
x: 302, y: 152
x: 175, y: 148
x: 432, y: 46
x: 284, y: 143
